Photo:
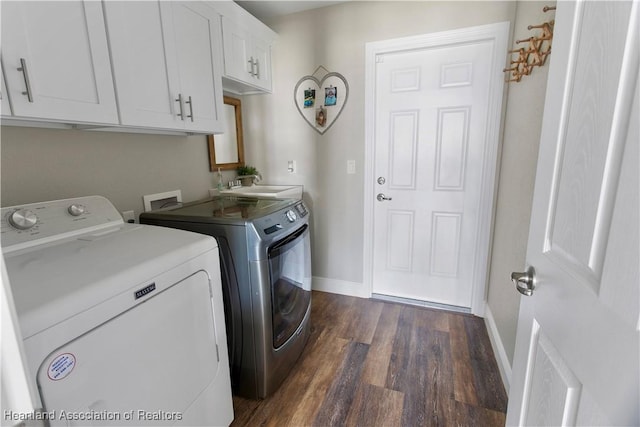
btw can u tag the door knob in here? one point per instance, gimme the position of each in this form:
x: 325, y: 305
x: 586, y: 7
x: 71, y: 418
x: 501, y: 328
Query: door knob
x: 525, y: 282
x: 381, y: 197
x: 381, y: 180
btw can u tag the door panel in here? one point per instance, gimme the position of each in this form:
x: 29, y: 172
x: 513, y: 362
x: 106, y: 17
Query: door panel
x: 236, y: 50
x: 6, y: 107
x: 555, y: 389
x: 403, y: 147
x: 262, y: 55
x: 160, y: 355
x: 67, y: 65
x: 431, y: 124
x: 400, y: 225
x: 581, y: 326
x: 197, y: 28
x: 451, y: 149
x: 146, y: 77
x: 445, y: 244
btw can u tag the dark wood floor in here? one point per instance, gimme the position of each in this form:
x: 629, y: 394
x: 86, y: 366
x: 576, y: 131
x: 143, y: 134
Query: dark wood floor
x: 373, y: 363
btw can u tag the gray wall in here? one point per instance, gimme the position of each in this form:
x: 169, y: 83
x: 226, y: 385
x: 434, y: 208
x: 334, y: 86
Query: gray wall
x: 335, y: 38
x: 522, y: 125
x: 41, y: 164
x: 48, y: 164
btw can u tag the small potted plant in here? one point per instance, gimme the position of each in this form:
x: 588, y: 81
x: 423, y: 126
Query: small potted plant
x: 248, y: 174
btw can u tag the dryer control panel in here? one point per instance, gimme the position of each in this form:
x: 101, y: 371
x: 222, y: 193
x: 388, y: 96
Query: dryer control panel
x: 33, y: 224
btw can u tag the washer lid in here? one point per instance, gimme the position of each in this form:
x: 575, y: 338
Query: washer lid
x: 53, y: 282
x: 222, y: 209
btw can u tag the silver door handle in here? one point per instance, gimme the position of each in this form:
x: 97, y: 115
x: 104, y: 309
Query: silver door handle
x: 525, y: 282
x: 27, y: 82
x: 250, y: 61
x: 190, y: 107
x: 381, y: 197
x: 179, y: 101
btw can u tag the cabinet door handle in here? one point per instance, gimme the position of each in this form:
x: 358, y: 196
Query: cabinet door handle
x: 25, y: 74
x: 250, y: 61
x: 179, y: 101
x: 190, y: 107
x: 257, y: 74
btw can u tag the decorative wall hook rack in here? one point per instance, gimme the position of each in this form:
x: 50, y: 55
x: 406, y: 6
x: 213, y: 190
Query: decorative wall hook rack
x: 534, y: 54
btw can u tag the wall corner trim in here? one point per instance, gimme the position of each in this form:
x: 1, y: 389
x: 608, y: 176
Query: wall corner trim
x: 498, y: 348
x: 342, y: 287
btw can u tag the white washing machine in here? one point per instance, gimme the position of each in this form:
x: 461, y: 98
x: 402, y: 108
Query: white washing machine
x: 123, y: 324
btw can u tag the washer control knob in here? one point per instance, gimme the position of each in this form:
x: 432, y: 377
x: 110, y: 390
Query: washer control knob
x: 23, y: 219
x: 76, y: 210
x: 291, y: 216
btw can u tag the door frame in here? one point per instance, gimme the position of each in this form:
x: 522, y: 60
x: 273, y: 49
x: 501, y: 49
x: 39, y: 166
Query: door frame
x: 498, y: 34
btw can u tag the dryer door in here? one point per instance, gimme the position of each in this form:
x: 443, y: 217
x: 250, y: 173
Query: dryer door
x: 151, y: 365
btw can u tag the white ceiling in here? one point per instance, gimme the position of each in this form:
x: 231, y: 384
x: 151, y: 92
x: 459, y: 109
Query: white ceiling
x: 267, y: 9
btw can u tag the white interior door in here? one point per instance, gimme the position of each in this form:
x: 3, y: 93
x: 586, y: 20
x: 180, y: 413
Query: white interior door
x: 577, y: 349
x: 433, y: 112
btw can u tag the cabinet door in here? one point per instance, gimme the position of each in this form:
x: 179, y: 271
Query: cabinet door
x: 146, y: 79
x: 6, y: 108
x: 247, y: 57
x: 237, y: 53
x: 262, y: 57
x: 197, y: 42
x: 57, y: 52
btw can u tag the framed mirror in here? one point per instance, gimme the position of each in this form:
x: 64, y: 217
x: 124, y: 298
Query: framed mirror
x: 226, y: 150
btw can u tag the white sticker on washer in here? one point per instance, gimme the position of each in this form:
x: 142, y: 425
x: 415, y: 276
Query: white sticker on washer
x: 61, y: 366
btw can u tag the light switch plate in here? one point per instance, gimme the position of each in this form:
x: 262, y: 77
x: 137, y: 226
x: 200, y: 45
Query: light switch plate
x: 351, y: 167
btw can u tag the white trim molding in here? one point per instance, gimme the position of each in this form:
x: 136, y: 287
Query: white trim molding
x: 498, y: 348
x: 342, y: 287
x: 498, y: 33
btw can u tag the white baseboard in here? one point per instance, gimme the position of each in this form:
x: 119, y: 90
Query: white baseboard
x: 341, y: 287
x: 498, y: 348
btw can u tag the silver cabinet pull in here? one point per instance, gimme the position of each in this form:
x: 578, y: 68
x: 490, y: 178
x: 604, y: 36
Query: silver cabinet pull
x: 250, y: 61
x: 25, y: 74
x: 257, y: 64
x: 190, y: 107
x: 525, y: 282
x: 179, y: 101
x: 381, y: 197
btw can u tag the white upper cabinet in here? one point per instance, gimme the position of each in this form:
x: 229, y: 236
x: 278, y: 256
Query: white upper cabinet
x: 247, y: 50
x: 6, y: 108
x: 247, y: 58
x: 56, y: 62
x: 145, y: 81
x: 262, y: 57
x: 166, y: 61
x: 197, y: 43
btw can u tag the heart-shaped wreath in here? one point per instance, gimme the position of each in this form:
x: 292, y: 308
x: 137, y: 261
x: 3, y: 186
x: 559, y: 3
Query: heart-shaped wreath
x: 320, y: 101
